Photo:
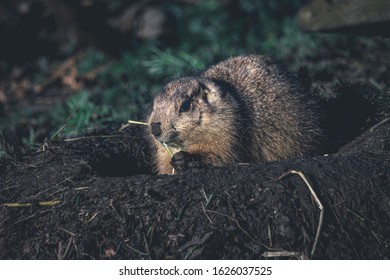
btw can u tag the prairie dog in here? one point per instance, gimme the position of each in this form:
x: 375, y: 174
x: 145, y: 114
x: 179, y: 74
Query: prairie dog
x: 243, y: 109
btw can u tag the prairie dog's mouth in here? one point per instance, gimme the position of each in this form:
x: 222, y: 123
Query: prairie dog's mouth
x: 171, y: 150
x: 173, y: 145
x: 171, y: 140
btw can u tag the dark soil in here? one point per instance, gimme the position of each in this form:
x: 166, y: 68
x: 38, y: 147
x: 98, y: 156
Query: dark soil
x: 111, y: 206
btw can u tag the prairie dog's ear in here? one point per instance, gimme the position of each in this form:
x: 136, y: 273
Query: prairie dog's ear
x: 209, y: 91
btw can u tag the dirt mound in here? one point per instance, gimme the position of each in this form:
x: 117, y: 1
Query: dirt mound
x: 95, y: 198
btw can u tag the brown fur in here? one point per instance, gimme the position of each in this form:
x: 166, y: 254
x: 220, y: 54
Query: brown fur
x: 244, y: 109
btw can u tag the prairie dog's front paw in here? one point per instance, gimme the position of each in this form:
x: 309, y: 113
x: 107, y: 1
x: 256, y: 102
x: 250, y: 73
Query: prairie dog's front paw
x: 183, y: 160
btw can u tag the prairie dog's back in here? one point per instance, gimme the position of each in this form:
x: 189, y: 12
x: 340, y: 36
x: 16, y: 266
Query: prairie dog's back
x: 285, y: 117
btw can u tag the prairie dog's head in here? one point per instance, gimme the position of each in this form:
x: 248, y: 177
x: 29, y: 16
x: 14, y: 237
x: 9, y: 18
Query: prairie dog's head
x: 188, y: 111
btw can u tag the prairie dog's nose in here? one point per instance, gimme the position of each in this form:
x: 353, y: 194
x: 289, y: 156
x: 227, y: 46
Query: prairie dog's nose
x: 155, y: 127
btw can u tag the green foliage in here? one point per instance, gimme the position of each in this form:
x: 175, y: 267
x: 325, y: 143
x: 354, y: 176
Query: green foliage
x: 167, y: 63
x: 91, y: 59
x: 76, y: 114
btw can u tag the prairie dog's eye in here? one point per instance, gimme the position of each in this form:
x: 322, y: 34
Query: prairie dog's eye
x: 185, y: 106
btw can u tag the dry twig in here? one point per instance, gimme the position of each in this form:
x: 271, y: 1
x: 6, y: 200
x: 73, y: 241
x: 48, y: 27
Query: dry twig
x: 318, y: 202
